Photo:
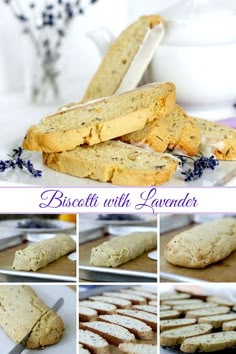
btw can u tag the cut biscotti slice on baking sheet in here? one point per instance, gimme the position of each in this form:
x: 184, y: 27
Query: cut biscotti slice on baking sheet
x: 178, y: 335
x: 99, y: 306
x: 229, y: 325
x: 122, y: 249
x: 172, y: 295
x: 203, y: 244
x: 119, y: 303
x: 101, y: 120
x: 168, y: 314
x: 113, y: 333
x: 138, y: 348
x: 217, y: 139
x: 148, y: 296
x: 115, y: 162
x: 176, y: 130
x: 217, y: 320
x: 209, y: 343
x: 186, y: 308
x: 140, y: 329
x: 94, y: 342
x: 146, y: 308
x: 20, y: 311
x: 127, y: 58
x: 165, y: 307
x: 218, y: 310
x: 87, y: 314
x: 42, y: 253
x: 166, y: 325
x: 149, y: 318
x: 135, y: 299
x: 219, y: 301
x: 182, y: 302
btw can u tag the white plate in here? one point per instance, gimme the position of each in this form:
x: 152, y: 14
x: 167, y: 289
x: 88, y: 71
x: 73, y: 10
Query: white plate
x: 58, y: 225
x: 153, y: 255
x: 50, y: 294
x: 143, y: 219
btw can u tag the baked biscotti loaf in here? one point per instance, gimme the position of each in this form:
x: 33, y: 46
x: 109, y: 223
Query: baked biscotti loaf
x: 203, y: 244
x: 149, y: 318
x: 119, y: 303
x: 127, y: 58
x: 217, y: 139
x: 87, y: 314
x: 99, y: 306
x: 176, y: 130
x: 140, y: 329
x: 135, y: 299
x: 115, y: 162
x: 122, y: 249
x: 21, y: 309
x: 217, y: 320
x: 94, y: 342
x: 209, y: 343
x: 137, y: 348
x: 113, y: 333
x: 218, y: 310
x: 39, y: 255
x: 229, y: 325
x: 178, y: 335
x: 166, y: 325
x: 101, y: 120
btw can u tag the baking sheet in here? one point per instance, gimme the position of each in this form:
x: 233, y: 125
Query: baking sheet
x: 55, y: 225
x: 140, y: 269
x: 223, y: 271
x: 50, y: 294
x: 62, y: 269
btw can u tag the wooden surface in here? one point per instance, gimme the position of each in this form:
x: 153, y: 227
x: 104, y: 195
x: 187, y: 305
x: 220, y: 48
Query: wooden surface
x: 62, y: 266
x: 223, y: 271
x: 142, y: 263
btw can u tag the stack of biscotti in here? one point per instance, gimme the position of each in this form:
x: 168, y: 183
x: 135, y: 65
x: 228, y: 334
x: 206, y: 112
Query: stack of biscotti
x: 201, y: 329
x: 127, y: 328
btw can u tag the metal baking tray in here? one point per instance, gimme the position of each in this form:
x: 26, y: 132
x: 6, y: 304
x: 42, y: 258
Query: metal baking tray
x: 180, y: 278
x: 93, y: 273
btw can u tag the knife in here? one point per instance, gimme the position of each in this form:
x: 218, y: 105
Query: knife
x: 20, y: 347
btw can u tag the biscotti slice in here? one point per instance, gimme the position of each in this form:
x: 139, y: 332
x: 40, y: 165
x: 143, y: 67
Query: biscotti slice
x: 42, y: 253
x: 166, y: 325
x: 182, y: 302
x: 219, y: 301
x: 229, y: 325
x: 135, y: 299
x: 87, y: 314
x: 101, y: 120
x: 146, y: 290
x: 148, y: 296
x: 200, y: 306
x: 83, y: 351
x: 122, y: 249
x: 119, y: 303
x: 146, y: 308
x: 115, y: 162
x: 127, y: 58
x: 113, y: 333
x: 217, y: 139
x: 175, y: 131
x: 149, y: 318
x: 95, y: 343
x: 168, y: 314
x: 172, y: 295
x: 21, y: 310
x: 203, y: 244
x: 209, y: 342
x: 178, y: 335
x: 218, y: 310
x: 217, y: 320
x: 165, y: 307
x: 99, y: 306
x: 133, y: 348
x: 152, y: 303
x: 140, y: 329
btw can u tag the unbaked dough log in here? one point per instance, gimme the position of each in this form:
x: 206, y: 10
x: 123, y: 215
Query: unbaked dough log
x: 20, y: 308
x: 123, y: 249
x: 203, y: 245
x: 44, y: 252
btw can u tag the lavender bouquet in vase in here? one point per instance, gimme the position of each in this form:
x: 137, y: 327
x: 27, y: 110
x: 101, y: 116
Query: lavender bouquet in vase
x: 46, y: 24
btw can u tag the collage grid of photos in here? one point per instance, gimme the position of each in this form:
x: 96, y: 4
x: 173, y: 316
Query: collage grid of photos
x: 104, y: 94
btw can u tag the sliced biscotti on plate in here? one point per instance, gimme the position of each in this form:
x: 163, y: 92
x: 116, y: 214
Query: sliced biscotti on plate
x: 93, y: 342
x: 178, y: 335
x: 203, y: 244
x: 115, y: 162
x: 127, y: 58
x: 217, y: 139
x: 176, y: 130
x: 209, y: 342
x: 101, y: 120
x: 137, y: 348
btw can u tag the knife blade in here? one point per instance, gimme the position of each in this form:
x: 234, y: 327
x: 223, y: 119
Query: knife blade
x: 20, y: 347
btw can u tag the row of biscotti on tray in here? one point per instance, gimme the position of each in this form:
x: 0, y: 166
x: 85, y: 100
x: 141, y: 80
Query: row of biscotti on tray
x: 194, y: 325
x: 126, y: 318
x: 123, y: 137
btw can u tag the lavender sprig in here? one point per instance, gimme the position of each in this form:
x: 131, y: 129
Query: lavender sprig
x: 199, y: 166
x: 17, y: 161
